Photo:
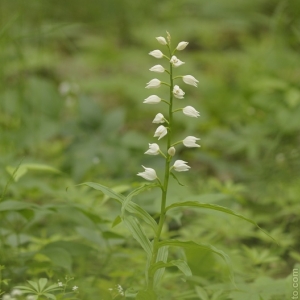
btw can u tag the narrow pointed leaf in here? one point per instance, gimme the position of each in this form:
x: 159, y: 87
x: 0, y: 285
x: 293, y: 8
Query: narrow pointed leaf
x: 137, y: 232
x: 131, y: 207
x: 52, y: 288
x: 34, y: 285
x: 162, y: 255
x: 50, y: 296
x: 134, y: 193
x: 42, y: 283
x: 174, y: 176
x: 116, y: 222
x: 180, y: 264
x: 216, y: 207
x: 25, y: 289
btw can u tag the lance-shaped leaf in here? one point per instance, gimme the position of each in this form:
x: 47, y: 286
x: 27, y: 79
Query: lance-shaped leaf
x: 130, y: 207
x: 134, y: 193
x: 162, y: 256
x: 196, y: 204
x: 179, y: 263
x: 138, y: 233
x: 191, y: 244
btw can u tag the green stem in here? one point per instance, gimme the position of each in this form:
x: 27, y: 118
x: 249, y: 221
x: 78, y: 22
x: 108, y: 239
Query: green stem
x: 162, y: 216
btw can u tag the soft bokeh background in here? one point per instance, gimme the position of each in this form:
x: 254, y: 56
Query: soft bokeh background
x: 72, y: 83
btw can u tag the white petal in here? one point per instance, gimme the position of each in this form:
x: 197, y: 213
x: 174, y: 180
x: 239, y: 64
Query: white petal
x: 153, y: 149
x: 189, y: 79
x: 161, y: 40
x: 157, y: 68
x: 148, y: 174
x: 178, y: 92
x: 182, y: 45
x: 160, y: 132
x: 191, y: 112
x: 153, y: 84
x: 159, y: 118
x: 153, y: 99
x: 181, y: 166
x: 156, y: 54
x: 175, y: 61
x: 190, y: 142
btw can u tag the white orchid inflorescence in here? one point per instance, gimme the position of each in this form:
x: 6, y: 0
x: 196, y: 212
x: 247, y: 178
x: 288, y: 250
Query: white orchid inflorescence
x: 166, y: 131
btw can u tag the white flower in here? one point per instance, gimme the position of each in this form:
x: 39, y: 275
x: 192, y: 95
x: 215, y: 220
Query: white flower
x: 190, y: 142
x: 178, y: 93
x: 153, y: 99
x: 31, y: 297
x: 159, y: 118
x: 74, y: 288
x: 181, y: 166
x: 161, y: 40
x: 16, y: 292
x: 171, y: 151
x: 189, y: 79
x: 153, y: 84
x: 181, y: 45
x: 153, y: 149
x: 158, y: 69
x: 156, y: 54
x: 191, y: 112
x: 148, y: 174
x: 6, y: 297
x: 176, y: 62
x: 160, y: 132
x: 60, y: 283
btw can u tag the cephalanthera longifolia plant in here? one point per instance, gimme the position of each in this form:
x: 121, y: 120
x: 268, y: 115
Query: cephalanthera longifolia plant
x: 131, y: 213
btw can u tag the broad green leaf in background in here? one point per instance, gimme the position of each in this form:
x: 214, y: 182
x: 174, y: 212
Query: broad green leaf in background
x: 216, y: 207
x: 146, y: 295
x: 138, y: 233
x: 18, y: 172
x: 15, y: 205
x: 191, y: 244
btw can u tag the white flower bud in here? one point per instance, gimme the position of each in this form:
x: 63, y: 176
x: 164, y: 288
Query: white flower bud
x: 159, y: 118
x: 171, y: 151
x: 153, y: 99
x: 191, y: 112
x: 148, y: 174
x: 161, y: 40
x: 153, y: 149
x: 156, y: 54
x: 178, y: 93
x: 189, y: 79
x: 157, y: 68
x: 153, y: 84
x: 160, y: 132
x: 176, y: 62
x: 181, y: 166
x: 182, y: 45
x: 190, y: 142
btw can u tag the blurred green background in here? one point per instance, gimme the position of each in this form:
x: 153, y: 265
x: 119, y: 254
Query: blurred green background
x: 72, y: 83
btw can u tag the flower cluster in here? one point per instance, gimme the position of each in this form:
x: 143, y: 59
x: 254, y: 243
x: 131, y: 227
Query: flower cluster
x: 175, y: 92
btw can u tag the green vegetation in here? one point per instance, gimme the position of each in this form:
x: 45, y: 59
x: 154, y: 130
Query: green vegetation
x: 72, y: 85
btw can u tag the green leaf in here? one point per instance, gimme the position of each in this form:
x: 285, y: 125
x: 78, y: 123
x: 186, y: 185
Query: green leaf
x: 25, y: 289
x: 15, y: 205
x: 180, y: 264
x: 146, y: 295
x: 202, y: 294
x: 34, y: 285
x: 131, y: 207
x: 174, y: 176
x: 116, y: 222
x: 59, y: 257
x: 216, y: 207
x: 52, y: 288
x: 137, y: 232
x: 191, y: 244
x: 51, y: 296
x: 18, y: 172
x: 162, y: 255
x: 42, y: 283
x: 134, y: 193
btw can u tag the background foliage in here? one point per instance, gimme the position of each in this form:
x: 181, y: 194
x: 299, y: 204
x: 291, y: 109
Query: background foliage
x: 72, y: 81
